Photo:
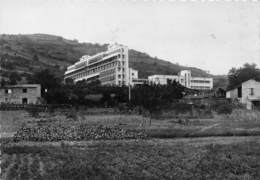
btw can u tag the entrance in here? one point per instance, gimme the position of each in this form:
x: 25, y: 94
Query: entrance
x: 256, y: 105
x: 25, y: 101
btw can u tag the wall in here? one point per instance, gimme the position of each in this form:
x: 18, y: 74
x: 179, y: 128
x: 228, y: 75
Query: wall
x: 16, y: 95
x: 246, y: 94
x: 232, y: 94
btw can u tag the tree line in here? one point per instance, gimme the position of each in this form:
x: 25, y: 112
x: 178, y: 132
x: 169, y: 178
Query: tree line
x: 149, y: 96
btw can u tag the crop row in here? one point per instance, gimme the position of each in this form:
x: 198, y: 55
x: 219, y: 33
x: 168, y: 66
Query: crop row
x: 57, y: 132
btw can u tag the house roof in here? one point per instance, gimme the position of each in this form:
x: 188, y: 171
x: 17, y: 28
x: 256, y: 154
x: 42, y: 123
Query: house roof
x: 237, y: 86
x: 22, y: 86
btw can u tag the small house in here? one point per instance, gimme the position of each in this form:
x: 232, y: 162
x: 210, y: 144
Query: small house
x: 247, y: 93
x: 21, y: 94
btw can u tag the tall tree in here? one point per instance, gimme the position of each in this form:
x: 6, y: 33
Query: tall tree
x: 49, y: 83
x: 14, y: 78
x: 237, y: 76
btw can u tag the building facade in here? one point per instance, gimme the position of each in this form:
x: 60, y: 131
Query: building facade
x: 133, y: 75
x: 110, y: 67
x: 21, y: 94
x: 162, y: 79
x: 247, y: 93
x: 201, y: 83
x: 184, y: 78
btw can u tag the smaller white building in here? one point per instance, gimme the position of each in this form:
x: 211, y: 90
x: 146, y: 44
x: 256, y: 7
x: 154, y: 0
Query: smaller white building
x: 133, y: 74
x: 184, y: 78
x: 201, y: 83
x: 247, y: 93
x: 162, y: 79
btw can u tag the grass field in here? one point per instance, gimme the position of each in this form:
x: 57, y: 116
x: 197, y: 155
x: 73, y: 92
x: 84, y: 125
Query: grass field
x: 166, y: 128
x: 199, y: 158
x: 208, y: 156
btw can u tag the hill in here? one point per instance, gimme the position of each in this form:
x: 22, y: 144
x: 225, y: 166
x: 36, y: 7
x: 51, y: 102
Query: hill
x: 25, y: 54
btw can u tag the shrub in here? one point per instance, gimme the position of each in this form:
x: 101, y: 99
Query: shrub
x: 34, y: 112
x: 71, y: 114
x: 242, y: 115
x: 224, y: 109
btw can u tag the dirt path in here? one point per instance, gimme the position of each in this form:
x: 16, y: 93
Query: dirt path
x: 209, y: 127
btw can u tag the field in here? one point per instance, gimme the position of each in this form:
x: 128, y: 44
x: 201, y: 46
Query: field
x: 215, y: 153
x: 159, y: 128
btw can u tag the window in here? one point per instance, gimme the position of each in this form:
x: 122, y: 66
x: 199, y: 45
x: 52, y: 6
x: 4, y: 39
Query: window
x: 239, y: 92
x: 8, y: 91
x: 251, y: 91
x: 24, y: 90
x: 119, y: 76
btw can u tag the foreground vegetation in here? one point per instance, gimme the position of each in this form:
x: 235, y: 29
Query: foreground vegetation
x: 93, y: 124
x: 234, y: 158
x: 63, y: 153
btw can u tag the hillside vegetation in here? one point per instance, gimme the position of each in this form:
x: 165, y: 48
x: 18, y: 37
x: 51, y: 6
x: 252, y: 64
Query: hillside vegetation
x: 30, y: 53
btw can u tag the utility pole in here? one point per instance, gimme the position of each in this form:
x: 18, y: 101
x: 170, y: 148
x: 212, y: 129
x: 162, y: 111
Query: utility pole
x: 129, y: 85
x: 129, y: 92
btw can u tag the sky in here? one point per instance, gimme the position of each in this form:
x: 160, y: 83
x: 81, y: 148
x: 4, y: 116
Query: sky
x: 214, y: 36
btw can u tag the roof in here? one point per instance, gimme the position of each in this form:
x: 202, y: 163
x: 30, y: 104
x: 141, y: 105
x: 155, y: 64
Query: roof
x: 237, y: 86
x: 22, y: 86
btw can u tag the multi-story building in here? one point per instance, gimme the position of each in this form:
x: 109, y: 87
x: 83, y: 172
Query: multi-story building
x: 21, y: 94
x: 184, y: 78
x: 110, y: 67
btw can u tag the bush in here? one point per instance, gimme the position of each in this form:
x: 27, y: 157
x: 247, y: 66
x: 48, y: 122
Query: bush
x: 242, y: 115
x: 71, y: 114
x: 224, y: 109
x: 34, y: 112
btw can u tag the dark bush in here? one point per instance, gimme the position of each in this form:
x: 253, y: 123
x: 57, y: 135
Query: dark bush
x: 32, y: 111
x: 224, y: 109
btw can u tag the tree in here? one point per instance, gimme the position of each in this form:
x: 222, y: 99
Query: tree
x: 69, y: 81
x: 35, y: 58
x: 14, y: 78
x: 155, y: 98
x: 4, y: 82
x: 49, y: 83
x: 237, y: 76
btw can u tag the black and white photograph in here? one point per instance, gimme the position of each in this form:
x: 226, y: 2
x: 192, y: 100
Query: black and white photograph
x: 130, y: 89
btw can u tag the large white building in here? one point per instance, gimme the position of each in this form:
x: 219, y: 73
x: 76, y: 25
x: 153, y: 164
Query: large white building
x: 184, y: 78
x: 110, y: 67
